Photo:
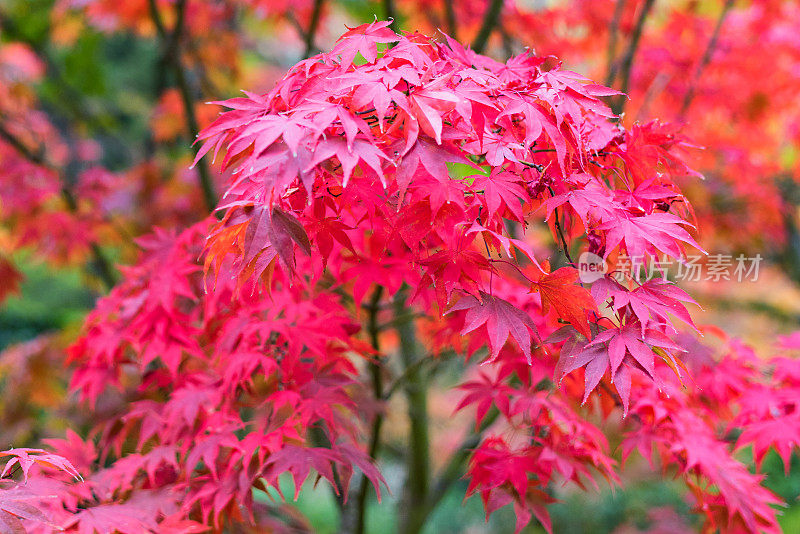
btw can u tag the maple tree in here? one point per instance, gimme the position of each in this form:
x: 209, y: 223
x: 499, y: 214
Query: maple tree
x: 394, y: 202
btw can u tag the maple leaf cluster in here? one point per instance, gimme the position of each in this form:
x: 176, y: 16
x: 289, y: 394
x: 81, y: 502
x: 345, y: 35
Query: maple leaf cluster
x: 434, y: 151
x: 218, y: 397
x: 21, y: 504
x: 420, y: 168
x: 695, y: 66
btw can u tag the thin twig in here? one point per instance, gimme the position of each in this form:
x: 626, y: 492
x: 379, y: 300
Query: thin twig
x: 490, y: 20
x: 563, y: 240
x: 560, y: 232
x: 414, y: 368
x: 706, y: 59
x: 513, y: 265
x: 13, y: 472
x: 296, y: 24
x: 36, y: 157
x: 655, y: 88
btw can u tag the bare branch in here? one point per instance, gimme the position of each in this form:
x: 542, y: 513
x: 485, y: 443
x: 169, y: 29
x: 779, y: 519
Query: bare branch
x: 490, y: 20
x: 316, y: 15
x: 450, y: 19
x: 627, y: 60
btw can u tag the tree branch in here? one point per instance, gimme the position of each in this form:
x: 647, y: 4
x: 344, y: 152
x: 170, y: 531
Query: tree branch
x: 158, y: 22
x: 171, y: 49
x: 618, y: 105
x: 454, y: 469
x: 560, y: 232
x: 450, y: 19
x: 23, y: 149
x: 706, y: 59
x: 508, y: 42
x: 316, y: 15
x: 564, y: 245
x: 417, y: 366
x: 416, y: 386
x: 377, y: 391
x: 296, y: 25
x: 490, y: 20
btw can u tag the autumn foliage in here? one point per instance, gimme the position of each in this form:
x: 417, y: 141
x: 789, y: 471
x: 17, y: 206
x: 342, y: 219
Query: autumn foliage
x: 393, y: 204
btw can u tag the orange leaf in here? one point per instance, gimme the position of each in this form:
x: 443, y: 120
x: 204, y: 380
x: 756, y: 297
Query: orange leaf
x: 569, y: 301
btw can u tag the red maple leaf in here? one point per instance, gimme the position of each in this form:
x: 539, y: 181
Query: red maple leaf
x: 617, y: 350
x: 363, y: 40
x: 501, y: 189
x: 648, y: 234
x: 270, y: 232
x: 18, y: 503
x: 501, y: 319
x: 26, y: 458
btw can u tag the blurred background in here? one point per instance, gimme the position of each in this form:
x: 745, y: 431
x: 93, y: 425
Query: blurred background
x: 100, y: 101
